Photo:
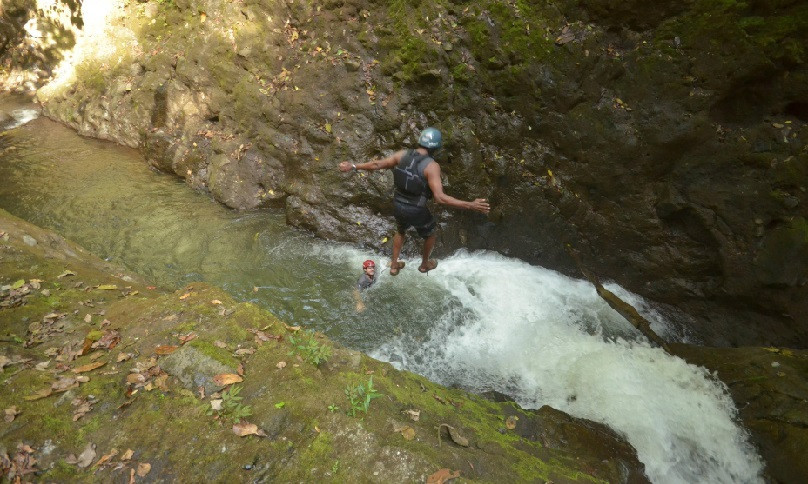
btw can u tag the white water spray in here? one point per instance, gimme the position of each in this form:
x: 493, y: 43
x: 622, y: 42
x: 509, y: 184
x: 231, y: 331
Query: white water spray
x: 544, y: 338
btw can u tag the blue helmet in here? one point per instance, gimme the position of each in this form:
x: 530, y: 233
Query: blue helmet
x: 430, y: 139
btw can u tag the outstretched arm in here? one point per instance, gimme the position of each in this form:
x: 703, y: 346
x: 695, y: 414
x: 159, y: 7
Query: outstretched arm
x: 382, y: 164
x: 432, y: 173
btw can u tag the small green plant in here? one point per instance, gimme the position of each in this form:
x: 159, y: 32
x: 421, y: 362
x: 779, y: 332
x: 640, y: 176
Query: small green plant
x: 309, y: 348
x: 335, y: 467
x: 280, y: 404
x: 360, y: 397
x: 230, y: 406
x: 333, y: 408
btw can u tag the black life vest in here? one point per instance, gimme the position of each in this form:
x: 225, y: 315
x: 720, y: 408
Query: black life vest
x: 410, y: 181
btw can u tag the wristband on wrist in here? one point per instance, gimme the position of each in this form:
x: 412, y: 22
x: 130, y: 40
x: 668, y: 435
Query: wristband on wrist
x: 354, y: 167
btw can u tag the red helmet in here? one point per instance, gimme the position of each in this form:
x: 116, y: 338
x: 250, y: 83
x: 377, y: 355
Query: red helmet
x: 368, y: 263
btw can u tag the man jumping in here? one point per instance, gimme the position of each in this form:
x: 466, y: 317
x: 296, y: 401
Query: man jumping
x: 417, y: 179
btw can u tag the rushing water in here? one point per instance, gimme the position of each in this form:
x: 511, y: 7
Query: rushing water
x: 482, y: 321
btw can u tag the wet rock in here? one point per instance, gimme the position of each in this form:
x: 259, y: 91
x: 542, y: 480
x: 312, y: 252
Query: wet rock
x: 194, y: 369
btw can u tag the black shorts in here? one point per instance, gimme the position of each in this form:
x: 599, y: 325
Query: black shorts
x: 411, y: 216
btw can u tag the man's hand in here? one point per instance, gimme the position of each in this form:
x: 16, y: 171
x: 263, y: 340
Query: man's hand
x: 480, y: 205
x: 346, y: 166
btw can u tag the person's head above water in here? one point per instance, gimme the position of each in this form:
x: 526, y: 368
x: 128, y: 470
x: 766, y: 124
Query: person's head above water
x: 369, y: 267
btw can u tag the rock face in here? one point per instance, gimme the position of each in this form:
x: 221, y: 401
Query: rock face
x: 665, y: 142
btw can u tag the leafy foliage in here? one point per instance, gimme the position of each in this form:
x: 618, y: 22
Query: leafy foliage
x: 360, y: 397
x: 309, y: 348
x: 231, y: 407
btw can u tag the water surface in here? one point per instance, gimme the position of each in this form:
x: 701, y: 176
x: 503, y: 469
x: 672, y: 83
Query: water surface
x: 481, y: 320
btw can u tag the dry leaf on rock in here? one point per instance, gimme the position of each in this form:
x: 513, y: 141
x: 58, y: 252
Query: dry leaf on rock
x: 242, y: 429
x: 227, y: 379
x: 42, y: 366
x: 413, y: 414
x: 216, y: 302
x: 281, y: 365
x: 216, y: 405
x: 135, y: 378
x: 45, y: 392
x: 89, y: 367
x: 510, y: 422
x: 405, y: 430
x: 165, y: 349
x: 292, y: 328
x: 82, y: 408
x: 123, y: 357
x: 64, y: 383
x: 245, y: 351
x: 88, y: 318
x: 85, y: 458
x: 10, y: 413
x: 109, y: 340
x: 185, y: 296
x: 188, y: 337
x: 442, y: 476
x: 220, y: 344
x: 143, y: 469
x: 105, y: 458
x: 458, y: 438
x: 127, y: 455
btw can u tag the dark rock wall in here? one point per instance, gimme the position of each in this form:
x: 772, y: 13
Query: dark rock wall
x: 664, y: 142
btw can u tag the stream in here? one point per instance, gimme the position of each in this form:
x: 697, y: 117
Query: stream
x: 481, y: 321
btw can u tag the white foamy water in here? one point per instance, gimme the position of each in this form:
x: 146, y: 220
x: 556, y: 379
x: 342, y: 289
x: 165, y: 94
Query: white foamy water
x: 544, y: 338
x: 20, y: 117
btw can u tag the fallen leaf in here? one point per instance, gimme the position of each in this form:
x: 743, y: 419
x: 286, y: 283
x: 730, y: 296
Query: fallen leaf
x: 82, y: 408
x: 220, y: 344
x: 457, y: 437
x: 165, y: 349
x: 227, y: 379
x: 123, y: 357
x: 88, y: 318
x: 42, y: 366
x: 242, y: 429
x: 105, y: 458
x: 143, y: 469
x: 89, y: 367
x: 442, y: 476
x: 216, y: 302
x: 135, y: 378
x: 65, y: 274
x: 64, y: 383
x: 510, y: 422
x: 245, y: 351
x: 127, y: 455
x: 185, y: 296
x: 86, y: 457
x: 186, y: 338
x: 405, y: 430
x: 413, y: 414
x: 10, y: 413
x: 281, y: 365
x: 216, y: 404
x: 108, y: 340
x: 45, y: 392
x: 131, y: 476
x: 108, y: 287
